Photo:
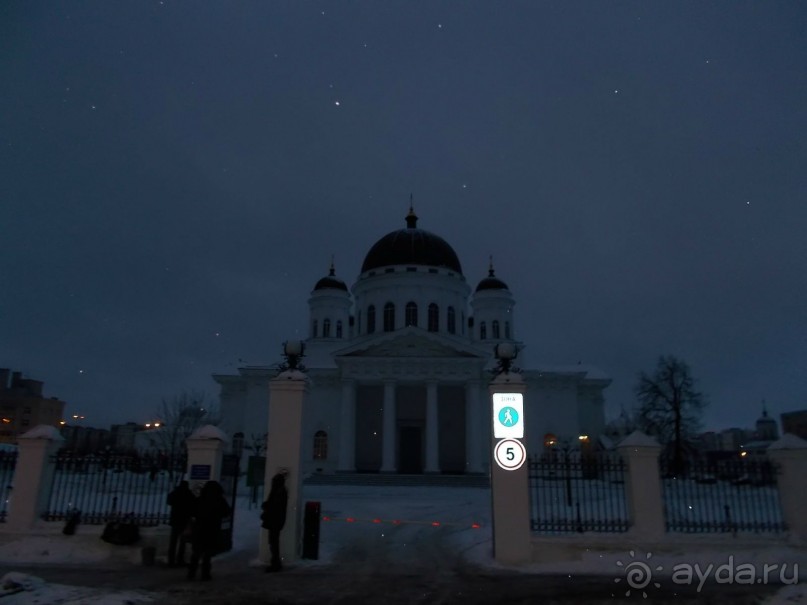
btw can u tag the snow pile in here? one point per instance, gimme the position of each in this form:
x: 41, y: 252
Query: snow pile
x: 22, y: 589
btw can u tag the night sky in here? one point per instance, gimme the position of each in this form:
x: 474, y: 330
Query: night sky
x: 175, y: 176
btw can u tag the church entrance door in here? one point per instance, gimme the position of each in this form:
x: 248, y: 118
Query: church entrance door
x: 410, y: 454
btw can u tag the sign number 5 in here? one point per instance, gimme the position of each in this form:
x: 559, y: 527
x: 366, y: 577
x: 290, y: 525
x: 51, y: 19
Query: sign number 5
x: 509, y: 454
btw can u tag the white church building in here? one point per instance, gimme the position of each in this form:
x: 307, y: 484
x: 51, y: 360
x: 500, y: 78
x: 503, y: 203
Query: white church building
x: 399, y: 365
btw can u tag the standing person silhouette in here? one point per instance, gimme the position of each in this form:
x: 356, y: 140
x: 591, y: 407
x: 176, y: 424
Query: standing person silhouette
x: 273, y: 517
x: 211, y: 509
x: 182, y: 502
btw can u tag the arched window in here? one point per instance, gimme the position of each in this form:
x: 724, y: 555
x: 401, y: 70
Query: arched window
x: 462, y: 323
x: 507, y: 330
x: 411, y: 314
x: 314, y: 329
x: 371, y: 319
x: 495, y: 326
x: 452, y: 320
x: 483, y: 331
x: 326, y: 328
x: 389, y: 317
x: 320, y: 445
x: 238, y: 443
x: 434, y: 318
x: 339, y: 328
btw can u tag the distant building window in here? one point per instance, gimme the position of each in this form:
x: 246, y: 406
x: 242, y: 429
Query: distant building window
x: 320, y: 445
x: 550, y: 440
x: 434, y: 318
x: 452, y: 320
x: 26, y: 409
x: 411, y: 314
x: 371, y: 319
x: 339, y: 328
x: 507, y: 330
x: 495, y: 327
x: 326, y: 328
x: 25, y: 422
x: 238, y: 442
x: 389, y: 317
x: 314, y: 329
x: 483, y: 331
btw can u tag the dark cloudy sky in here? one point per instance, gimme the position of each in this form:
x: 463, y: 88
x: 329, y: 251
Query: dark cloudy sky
x: 174, y: 177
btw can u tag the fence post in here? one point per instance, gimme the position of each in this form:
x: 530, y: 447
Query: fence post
x: 643, y: 485
x: 205, y: 452
x: 790, y: 454
x: 32, y: 476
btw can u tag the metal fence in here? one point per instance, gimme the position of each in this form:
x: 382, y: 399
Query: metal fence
x: 569, y: 493
x: 724, y: 496
x: 8, y: 462
x: 110, y: 487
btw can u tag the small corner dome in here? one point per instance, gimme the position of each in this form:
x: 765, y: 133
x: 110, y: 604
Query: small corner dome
x: 411, y: 246
x: 330, y: 282
x: 491, y: 282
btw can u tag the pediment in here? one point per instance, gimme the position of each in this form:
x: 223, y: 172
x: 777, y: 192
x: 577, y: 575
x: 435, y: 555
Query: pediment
x: 410, y: 343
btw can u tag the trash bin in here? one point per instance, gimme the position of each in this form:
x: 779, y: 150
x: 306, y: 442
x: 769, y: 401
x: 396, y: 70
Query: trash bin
x: 311, y: 530
x: 147, y: 555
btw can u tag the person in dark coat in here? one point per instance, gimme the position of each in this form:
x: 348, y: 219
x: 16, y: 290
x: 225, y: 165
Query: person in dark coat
x: 210, y: 510
x: 273, y: 517
x: 182, y: 502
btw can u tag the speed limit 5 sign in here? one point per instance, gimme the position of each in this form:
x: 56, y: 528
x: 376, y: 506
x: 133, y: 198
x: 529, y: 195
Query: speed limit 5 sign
x: 509, y: 454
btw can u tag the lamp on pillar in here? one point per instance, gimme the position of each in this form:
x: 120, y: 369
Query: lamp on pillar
x: 505, y: 353
x: 293, y: 352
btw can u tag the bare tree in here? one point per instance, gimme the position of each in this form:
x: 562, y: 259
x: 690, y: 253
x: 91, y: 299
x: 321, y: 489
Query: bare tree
x: 256, y: 444
x: 180, y: 415
x: 669, y: 406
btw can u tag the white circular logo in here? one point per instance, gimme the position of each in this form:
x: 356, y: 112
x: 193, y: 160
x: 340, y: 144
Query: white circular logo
x: 510, y: 454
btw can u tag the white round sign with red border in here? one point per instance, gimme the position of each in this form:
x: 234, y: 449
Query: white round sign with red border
x: 509, y: 454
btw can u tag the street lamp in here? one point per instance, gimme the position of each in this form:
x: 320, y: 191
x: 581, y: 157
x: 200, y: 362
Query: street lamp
x: 505, y: 353
x: 293, y: 351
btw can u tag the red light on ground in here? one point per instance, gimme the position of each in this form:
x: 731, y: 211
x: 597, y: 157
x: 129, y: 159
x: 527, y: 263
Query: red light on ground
x: 435, y: 524
x: 350, y: 519
x: 475, y: 526
x: 396, y: 522
x: 376, y: 520
x: 326, y: 518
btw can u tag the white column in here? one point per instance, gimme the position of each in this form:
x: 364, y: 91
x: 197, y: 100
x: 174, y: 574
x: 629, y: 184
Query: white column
x: 388, y: 430
x: 32, y: 476
x: 432, y: 426
x: 790, y: 454
x: 347, y: 433
x: 205, y: 452
x: 643, y: 485
x: 287, y: 394
x: 473, y: 429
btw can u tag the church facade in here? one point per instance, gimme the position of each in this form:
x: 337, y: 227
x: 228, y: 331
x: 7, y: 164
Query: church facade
x: 399, y: 366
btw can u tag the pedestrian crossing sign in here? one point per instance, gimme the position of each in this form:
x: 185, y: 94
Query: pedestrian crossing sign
x: 508, y: 415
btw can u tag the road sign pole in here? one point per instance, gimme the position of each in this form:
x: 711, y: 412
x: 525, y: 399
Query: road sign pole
x: 509, y: 471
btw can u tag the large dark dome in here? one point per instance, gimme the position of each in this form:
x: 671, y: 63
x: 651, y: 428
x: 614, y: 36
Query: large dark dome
x: 411, y: 246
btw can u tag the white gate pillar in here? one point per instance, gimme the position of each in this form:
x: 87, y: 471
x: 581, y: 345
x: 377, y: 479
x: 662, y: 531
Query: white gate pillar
x: 287, y: 394
x: 32, y: 476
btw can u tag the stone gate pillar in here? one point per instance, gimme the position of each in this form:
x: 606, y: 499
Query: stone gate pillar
x: 643, y: 485
x: 283, y: 441
x: 33, y: 476
x: 205, y: 452
x: 790, y: 454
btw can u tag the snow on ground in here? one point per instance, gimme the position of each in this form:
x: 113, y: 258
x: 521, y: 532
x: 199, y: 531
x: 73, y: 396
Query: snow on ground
x: 404, y: 515
x: 22, y: 589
